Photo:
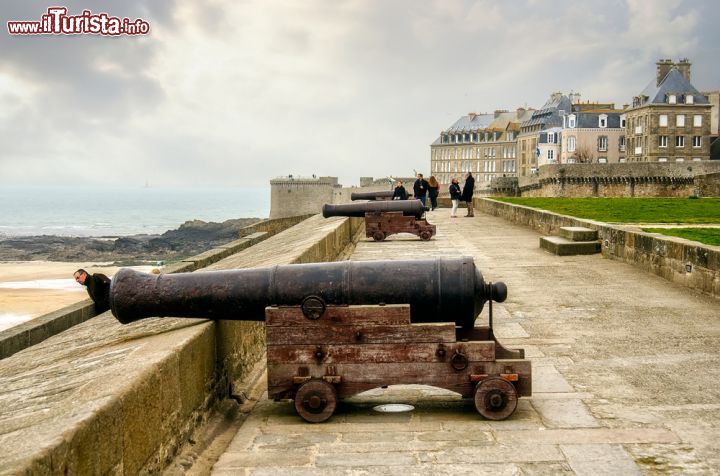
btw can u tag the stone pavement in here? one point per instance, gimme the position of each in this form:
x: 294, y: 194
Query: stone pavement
x: 625, y: 366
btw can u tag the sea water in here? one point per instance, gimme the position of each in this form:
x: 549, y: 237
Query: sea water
x: 121, y: 211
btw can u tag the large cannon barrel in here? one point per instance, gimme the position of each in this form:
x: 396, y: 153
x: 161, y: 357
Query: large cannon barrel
x: 407, y: 207
x: 437, y: 290
x: 382, y: 194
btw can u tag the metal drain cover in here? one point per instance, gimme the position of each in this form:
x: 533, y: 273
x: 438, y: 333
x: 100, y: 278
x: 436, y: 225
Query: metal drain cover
x: 394, y: 408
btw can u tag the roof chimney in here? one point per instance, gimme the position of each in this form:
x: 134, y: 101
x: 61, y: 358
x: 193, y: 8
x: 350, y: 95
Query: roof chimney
x: 472, y: 115
x: 663, y: 68
x: 684, y: 67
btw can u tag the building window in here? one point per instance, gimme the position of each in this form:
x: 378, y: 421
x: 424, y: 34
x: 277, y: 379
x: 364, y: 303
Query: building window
x: 602, y: 160
x: 602, y: 121
x: 571, y: 144
x: 663, y: 120
x: 551, y: 138
x: 511, y: 135
x: 672, y: 99
x: 697, y: 159
x: 551, y: 155
x: 623, y: 121
x: 679, y: 141
x: 571, y: 121
x: 697, y: 142
x: 602, y: 143
x: 621, y: 142
x: 689, y: 99
x: 679, y: 159
x: 662, y: 141
x: 680, y: 120
x: 697, y: 120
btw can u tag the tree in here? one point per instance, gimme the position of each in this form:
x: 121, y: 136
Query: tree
x: 583, y: 155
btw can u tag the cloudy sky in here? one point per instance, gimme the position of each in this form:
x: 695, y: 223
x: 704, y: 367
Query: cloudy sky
x: 236, y: 92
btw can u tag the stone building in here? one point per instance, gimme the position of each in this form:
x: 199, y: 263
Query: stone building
x: 593, y: 135
x: 547, y: 117
x: 484, y: 144
x: 669, y: 121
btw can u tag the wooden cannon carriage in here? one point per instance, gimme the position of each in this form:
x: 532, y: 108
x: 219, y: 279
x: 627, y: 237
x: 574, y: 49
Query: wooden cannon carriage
x: 337, y: 329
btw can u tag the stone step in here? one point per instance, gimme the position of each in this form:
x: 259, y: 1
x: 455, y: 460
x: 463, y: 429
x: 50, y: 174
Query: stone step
x: 563, y: 247
x: 578, y: 233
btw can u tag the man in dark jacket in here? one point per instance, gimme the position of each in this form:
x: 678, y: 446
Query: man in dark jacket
x: 467, y: 193
x: 420, y: 189
x: 98, y: 287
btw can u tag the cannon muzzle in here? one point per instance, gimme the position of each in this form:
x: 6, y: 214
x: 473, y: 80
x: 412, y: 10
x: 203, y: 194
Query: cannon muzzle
x: 379, y: 195
x: 438, y: 290
x: 407, y: 207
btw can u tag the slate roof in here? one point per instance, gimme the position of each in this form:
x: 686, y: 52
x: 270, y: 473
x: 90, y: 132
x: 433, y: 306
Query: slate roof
x: 590, y: 120
x: 549, y: 114
x: 673, y: 82
x: 469, y: 123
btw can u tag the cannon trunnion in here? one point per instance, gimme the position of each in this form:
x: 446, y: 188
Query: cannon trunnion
x: 337, y: 329
x: 386, y: 218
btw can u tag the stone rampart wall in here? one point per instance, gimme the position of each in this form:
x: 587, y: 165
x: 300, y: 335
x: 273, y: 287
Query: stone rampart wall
x: 653, y: 179
x: 675, y: 259
x: 110, y: 398
x: 36, y: 330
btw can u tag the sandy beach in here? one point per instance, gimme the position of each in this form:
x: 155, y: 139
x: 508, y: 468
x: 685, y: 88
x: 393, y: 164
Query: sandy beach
x: 30, y: 289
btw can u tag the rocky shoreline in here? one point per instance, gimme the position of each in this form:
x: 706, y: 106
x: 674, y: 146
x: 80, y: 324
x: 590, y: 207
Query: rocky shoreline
x: 191, y: 238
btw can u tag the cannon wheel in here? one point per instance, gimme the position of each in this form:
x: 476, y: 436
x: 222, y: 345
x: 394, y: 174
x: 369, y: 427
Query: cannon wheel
x: 378, y: 236
x: 425, y: 235
x: 315, y: 401
x: 495, y: 398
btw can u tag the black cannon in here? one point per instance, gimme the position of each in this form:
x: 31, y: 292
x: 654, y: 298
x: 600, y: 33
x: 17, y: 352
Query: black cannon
x: 439, y: 290
x: 379, y: 195
x: 386, y: 218
x: 413, y: 208
x: 337, y: 329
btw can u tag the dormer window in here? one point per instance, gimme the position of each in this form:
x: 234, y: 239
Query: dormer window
x: 672, y: 99
x: 571, y: 121
x: 602, y: 121
x: 689, y: 99
x: 623, y: 121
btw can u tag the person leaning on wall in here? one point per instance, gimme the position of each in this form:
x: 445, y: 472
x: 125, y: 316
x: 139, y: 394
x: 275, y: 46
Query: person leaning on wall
x: 400, y: 193
x: 98, y: 287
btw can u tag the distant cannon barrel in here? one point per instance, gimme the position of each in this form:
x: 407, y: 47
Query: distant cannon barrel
x: 437, y: 290
x: 379, y: 195
x: 407, y: 207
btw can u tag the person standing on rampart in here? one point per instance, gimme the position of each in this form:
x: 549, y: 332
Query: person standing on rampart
x: 455, y: 196
x: 467, y: 193
x: 420, y: 189
x: 433, y: 191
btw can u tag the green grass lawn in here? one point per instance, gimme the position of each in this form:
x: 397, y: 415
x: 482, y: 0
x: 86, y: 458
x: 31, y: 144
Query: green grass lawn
x: 709, y: 236
x: 628, y: 210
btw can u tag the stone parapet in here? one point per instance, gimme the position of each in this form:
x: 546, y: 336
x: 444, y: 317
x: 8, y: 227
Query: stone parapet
x: 653, y: 179
x: 681, y: 261
x: 36, y: 330
x: 111, y: 398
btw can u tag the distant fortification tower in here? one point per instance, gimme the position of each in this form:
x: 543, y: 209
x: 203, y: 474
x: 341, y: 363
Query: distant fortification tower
x: 292, y: 196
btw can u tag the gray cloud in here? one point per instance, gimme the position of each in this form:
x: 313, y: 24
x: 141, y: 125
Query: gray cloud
x: 236, y: 93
